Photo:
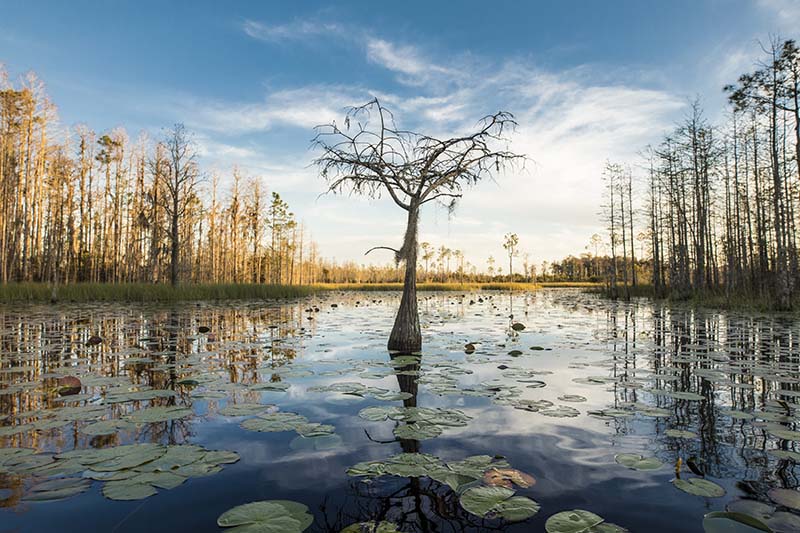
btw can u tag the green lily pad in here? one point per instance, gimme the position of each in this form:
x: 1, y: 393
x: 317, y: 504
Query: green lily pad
x: 411, y: 464
x: 275, y: 422
x: 371, y: 527
x: 325, y: 442
x: 500, y: 502
x: 270, y: 516
x: 572, y: 398
x: 699, y: 487
x: 244, y: 409
x: 126, y: 490
x: 560, y: 411
x: 176, y: 456
x: 726, y: 522
x: 314, y: 429
x: 575, y: 521
x: 680, y: 434
x: 159, y: 414
x: 782, y: 522
x: 57, y: 489
x: 638, y: 462
x: 786, y: 497
x: 220, y: 457
x: 129, y: 456
x: 162, y: 480
x: 417, y: 431
x: 107, y: 427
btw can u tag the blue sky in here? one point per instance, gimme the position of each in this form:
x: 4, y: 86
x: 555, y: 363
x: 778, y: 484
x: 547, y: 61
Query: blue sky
x: 587, y: 80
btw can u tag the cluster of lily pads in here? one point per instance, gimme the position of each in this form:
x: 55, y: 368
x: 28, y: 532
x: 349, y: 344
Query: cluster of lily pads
x: 467, y: 477
x: 285, y: 421
x: 419, y: 423
x: 128, y: 472
x: 653, y: 380
x: 357, y: 389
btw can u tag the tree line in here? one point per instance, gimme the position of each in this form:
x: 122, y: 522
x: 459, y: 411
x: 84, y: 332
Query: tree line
x: 78, y: 206
x: 719, y: 209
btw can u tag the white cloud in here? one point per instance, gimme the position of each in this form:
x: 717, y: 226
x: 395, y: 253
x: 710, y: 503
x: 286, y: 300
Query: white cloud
x: 785, y: 12
x: 570, y: 123
x: 304, y: 107
x: 301, y: 29
x: 406, y: 61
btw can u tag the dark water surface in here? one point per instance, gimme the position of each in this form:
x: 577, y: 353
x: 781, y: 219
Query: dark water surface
x: 626, y: 361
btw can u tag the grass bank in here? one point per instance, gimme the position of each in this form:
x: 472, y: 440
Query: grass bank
x: 151, y: 292
x: 704, y: 299
x: 146, y: 292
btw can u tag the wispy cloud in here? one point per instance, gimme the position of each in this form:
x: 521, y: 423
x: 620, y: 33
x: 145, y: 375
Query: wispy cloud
x: 303, y: 107
x: 300, y: 29
x: 786, y: 12
x: 405, y: 60
x: 570, y: 123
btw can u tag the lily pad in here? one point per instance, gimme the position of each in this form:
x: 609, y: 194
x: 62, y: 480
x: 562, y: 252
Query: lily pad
x: 270, y: 516
x: 57, y: 489
x: 126, y: 490
x: 680, y: 434
x: 159, y: 414
x: 490, y: 502
x: 699, y: 487
x: 244, y: 409
x: 107, y: 427
x: 371, y: 527
x: 575, y: 521
x: 726, y: 522
x: 786, y: 497
x: 638, y: 462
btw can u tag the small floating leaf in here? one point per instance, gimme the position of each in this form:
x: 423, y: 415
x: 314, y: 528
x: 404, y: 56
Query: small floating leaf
x: 371, y: 527
x: 638, y: 462
x: 680, y: 434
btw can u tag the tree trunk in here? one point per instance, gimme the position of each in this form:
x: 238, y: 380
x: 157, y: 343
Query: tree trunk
x: 173, y: 272
x: 406, y: 336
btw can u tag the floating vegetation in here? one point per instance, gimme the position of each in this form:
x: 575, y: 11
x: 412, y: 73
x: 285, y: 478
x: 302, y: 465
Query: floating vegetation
x: 714, y: 394
x: 371, y: 527
x: 421, y: 421
x: 285, y: 421
x: 699, y: 487
x: 270, y: 516
x: 580, y: 521
x: 498, y: 502
x: 129, y: 472
x: 638, y: 462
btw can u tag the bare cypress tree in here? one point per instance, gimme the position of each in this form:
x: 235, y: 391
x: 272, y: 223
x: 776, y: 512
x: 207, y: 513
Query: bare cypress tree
x: 371, y: 156
x: 179, y: 175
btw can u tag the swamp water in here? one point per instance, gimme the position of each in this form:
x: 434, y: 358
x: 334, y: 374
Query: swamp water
x: 571, y: 416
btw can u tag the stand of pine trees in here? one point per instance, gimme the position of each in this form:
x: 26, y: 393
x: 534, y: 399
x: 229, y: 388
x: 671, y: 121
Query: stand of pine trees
x: 720, y: 212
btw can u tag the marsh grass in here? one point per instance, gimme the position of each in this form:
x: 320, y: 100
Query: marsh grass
x: 146, y: 292
x: 152, y: 292
x: 706, y: 299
